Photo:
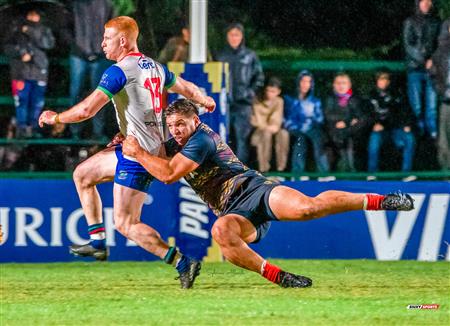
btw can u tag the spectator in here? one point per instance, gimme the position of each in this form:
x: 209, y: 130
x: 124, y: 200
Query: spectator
x: 87, y: 58
x: 345, y: 121
x: 26, y: 48
x: 441, y: 74
x: 420, y: 34
x: 246, y: 78
x: 267, y: 118
x: 391, y: 119
x: 304, y: 120
x: 176, y: 48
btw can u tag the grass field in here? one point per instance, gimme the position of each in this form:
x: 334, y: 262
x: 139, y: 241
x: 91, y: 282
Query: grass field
x: 353, y: 292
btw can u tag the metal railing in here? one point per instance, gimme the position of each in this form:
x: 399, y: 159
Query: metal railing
x: 286, y: 65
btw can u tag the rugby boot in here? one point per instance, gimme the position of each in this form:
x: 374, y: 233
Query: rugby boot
x: 87, y: 250
x: 397, y: 201
x: 187, y: 278
x: 289, y: 280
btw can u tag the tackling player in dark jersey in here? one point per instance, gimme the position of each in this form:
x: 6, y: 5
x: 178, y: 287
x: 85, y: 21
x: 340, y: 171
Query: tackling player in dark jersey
x: 245, y: 201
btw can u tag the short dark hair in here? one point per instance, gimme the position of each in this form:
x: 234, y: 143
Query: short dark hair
x: 273, y: 82
x: 383, y: 72
x: 342, y: 74
x: 182, y: 106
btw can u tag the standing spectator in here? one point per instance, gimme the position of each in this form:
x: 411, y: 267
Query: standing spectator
x: 26, y: 48
x: 87, y: 57
x: 246, y: 78
x: 345, y: 121
x: 176, y: 48
x: 441, y: 72
x: 267, y: 118
x: 304, y: 120
x: 390, y: 119
x: 420, y: 34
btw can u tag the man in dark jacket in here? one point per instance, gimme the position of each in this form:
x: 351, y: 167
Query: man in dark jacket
x: 246, y: 78
x: 87, y: 57
x: 29, y: 70
x: 345, y: 123
x: 441, y: 73
x: 420, y: 33
x: 390, y: 118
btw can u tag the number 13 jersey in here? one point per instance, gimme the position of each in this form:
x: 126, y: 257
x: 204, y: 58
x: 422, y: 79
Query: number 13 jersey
x: 135, y: 84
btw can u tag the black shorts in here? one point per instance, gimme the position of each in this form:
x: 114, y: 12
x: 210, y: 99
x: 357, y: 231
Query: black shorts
x: 251, y: 200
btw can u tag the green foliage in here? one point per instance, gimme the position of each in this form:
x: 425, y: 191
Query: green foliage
x: 356, y: 292
x: 124, y: 7
x: 444, y: 9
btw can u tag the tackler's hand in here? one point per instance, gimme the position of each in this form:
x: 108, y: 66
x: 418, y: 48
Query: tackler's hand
x: 47, y: 117
x: 209, y: 104
x: 130, y: 146
x: 117, y: 139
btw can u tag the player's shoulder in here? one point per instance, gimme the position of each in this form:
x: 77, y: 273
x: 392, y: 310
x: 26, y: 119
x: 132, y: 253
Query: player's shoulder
x: 205, y: 136
x: 137, y: 63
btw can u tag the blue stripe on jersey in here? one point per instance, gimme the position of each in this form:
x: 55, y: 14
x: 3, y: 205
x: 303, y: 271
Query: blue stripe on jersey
x: 170, y: 77
x: 113, y: 80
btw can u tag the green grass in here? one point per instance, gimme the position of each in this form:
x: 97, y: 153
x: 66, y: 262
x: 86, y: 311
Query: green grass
x: 356, y: 292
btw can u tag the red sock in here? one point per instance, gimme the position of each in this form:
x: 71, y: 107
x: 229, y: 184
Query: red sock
x: 373, y: 202
x: 271, y: 272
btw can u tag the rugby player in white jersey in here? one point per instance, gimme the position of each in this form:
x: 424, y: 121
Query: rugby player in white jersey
x: 135, y: 85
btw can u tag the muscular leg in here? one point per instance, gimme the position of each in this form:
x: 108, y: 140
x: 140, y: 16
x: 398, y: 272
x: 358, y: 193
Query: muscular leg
x: 232, y: 232
x: 127, y: 212
x: 290, y: 204
x: 95, y: 170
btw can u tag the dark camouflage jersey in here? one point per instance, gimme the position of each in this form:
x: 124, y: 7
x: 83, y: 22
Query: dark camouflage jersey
x: 219, y: 173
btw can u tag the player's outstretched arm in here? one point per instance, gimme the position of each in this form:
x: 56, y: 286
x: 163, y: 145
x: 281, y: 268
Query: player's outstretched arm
x: 165, y: 170
x: 84, y: 110
x: 192, y: 92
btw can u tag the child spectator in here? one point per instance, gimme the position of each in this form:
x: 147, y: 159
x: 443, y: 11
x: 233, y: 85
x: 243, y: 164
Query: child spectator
x: 304, y: 121
x: 391, y: 119
x: 267, y: 118
x: 345, y: 122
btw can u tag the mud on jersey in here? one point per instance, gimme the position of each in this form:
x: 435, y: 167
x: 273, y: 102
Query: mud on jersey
x: 135, y: 84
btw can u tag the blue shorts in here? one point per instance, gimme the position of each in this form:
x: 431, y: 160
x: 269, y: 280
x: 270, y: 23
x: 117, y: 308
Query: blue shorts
x: 130, y: 173
x: 251, y: 200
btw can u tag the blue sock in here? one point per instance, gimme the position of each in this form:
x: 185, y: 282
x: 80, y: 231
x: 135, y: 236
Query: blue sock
x: 183, y: 264
x: 98, y: 244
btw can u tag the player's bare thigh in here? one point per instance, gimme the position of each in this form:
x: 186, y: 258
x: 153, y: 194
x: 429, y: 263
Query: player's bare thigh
x: 290, y: 204
x: 234, y: 224
x: 127, y: 204
x: 98, y: 168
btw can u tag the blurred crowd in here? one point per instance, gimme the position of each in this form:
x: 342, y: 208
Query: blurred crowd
x: 344, y: 131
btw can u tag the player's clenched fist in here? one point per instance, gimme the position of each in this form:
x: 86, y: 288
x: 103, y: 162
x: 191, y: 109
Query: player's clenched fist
x: 209, y: 104
x: 47, y: 117
x: 117, y: 139
x: 131, y: 146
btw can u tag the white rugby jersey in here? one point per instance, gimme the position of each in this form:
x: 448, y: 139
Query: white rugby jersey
x: 135, y: 85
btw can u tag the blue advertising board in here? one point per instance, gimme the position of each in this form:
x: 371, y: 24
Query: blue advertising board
x: 40, y: 218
